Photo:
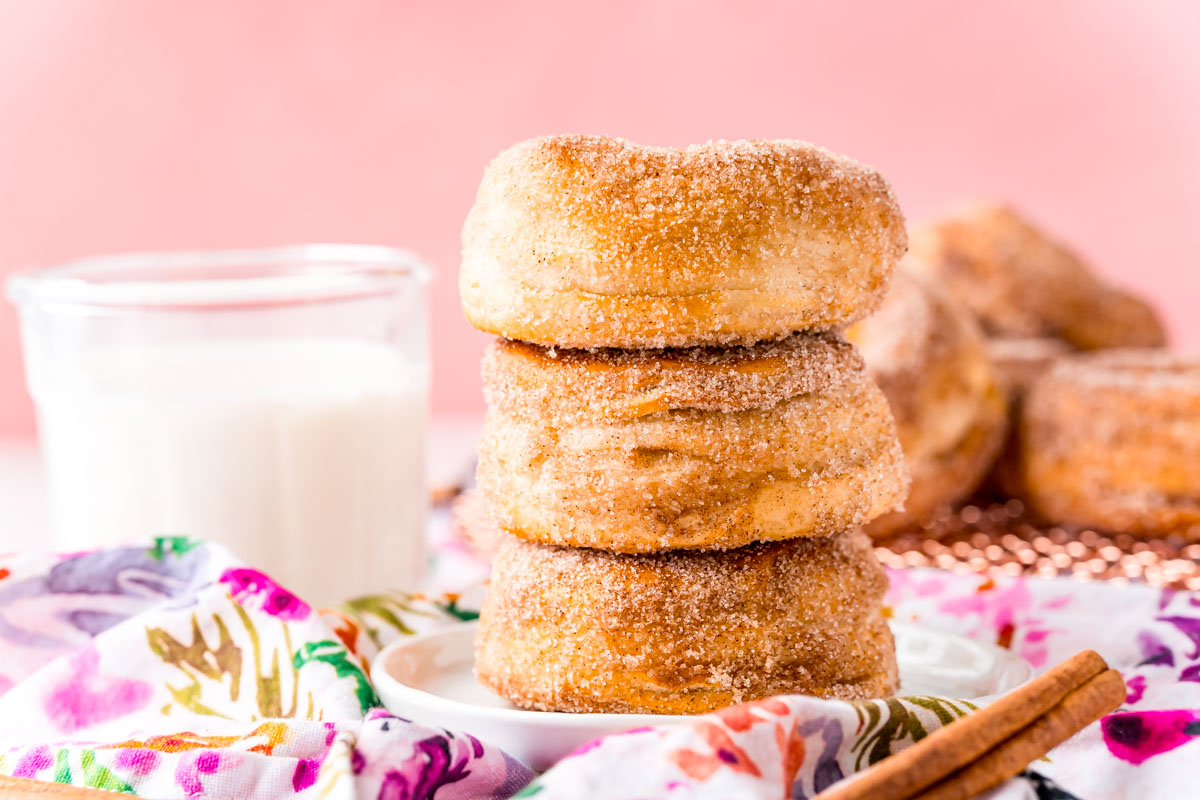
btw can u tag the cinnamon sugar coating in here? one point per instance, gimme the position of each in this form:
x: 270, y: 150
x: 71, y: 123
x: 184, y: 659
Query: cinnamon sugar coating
x: 1111, y: 441
x: 639, y: 452
x: 929, y: 357
x: 561, y: 385
x: 588, y: 241
x: 1020, y: 282
x: 577, y: 630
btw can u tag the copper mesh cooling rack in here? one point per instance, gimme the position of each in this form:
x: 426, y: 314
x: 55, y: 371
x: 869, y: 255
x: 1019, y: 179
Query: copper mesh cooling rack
x: 980, y: 538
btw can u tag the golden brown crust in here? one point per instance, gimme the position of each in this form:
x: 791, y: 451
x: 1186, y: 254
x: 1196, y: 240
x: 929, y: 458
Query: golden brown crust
x: 1018, y: 364
x: 685, y: 633
x: 702, y: 449
x: 930, y: 359
x: 1020, y: 282
x: 1111, y: 441
x: 587, y: 241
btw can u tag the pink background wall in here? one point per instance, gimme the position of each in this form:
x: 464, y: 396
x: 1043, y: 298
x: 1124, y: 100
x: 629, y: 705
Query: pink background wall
x: 146, y: 124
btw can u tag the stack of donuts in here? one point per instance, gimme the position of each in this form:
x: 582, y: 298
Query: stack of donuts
x: 680, y: 447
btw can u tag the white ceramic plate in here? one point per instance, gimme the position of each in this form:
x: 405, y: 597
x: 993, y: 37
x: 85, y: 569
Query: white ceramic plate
x: 429, y: 679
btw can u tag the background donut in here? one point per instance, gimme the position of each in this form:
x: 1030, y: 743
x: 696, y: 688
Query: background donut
x: 928, y: 355
x: 1111, y: 441
x: 1018, y: 364
x: 1019, y: 282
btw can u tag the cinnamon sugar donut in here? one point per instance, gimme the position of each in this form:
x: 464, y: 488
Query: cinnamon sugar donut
x: 1112, y: 441
x: 566, y: 629
x: 929, y: 357
x: 1018, y: 364
x: 637, y: 451
x: 587, y: 241
x: 1019, y: 282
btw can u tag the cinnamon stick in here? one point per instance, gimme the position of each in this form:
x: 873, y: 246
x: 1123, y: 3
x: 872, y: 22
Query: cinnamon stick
x: 1081, y: 708
x: 963, y: 741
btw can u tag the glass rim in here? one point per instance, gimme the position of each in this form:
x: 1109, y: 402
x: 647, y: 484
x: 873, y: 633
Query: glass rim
x: 322, y: 273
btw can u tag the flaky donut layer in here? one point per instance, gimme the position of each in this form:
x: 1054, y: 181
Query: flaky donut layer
x: 1019, y: 282
x: 560, y: 385
x: 685, y: 449
x: 929, y: 357
x: 685, y: 633
x: 1111, y: 441
x: 587, y: 241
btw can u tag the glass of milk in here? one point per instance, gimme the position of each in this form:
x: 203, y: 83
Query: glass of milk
x: 272, y: 400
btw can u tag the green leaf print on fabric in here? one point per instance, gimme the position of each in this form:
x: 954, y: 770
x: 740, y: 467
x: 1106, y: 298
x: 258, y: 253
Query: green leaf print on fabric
x: 177, y: 545
x: 97, y: 776
x: 268, y: 688
x: 885, y: 722
x: 947, y: 711
x: 335, y: 655
x: 62, y: 767
x: 199, y: 660
x: 451, y: 608
x: 386, y: 608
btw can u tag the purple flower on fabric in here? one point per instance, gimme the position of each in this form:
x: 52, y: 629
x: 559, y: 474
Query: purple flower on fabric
x: 476, y: 746
x: 1189, y: 627
x: 1136, y: 736
x: 1191, y: 674
x: 1136, y: 689
x: 1153, y: 650
x: 33, y: 762
x: 431, y: 768
x: 276, y: 600
x: 192, y: 766
x: 828, y: 771
x: 305, y: 774
x: 1165, y: 597
x: 85, y: 697
x: 138, y: 760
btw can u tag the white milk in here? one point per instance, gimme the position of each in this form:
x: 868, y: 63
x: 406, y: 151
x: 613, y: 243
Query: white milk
x: 305, y: 457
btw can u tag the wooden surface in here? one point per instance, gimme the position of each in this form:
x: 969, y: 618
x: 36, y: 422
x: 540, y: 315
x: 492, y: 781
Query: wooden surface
x: 24, y: 789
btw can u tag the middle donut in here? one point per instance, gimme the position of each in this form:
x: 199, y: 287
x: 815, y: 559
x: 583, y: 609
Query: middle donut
x: 638, y: 451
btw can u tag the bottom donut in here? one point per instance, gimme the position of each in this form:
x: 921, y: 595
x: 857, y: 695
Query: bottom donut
x: 685, y: 632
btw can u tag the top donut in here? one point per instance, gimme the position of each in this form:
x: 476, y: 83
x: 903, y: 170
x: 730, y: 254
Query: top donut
x: 587, y: 241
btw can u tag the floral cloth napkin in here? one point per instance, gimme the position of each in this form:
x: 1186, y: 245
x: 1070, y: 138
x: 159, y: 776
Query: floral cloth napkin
x: 174, y: 671
x: 177, y: 671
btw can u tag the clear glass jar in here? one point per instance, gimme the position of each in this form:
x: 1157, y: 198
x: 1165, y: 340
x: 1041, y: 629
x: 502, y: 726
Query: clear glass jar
x: 273, y: 400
